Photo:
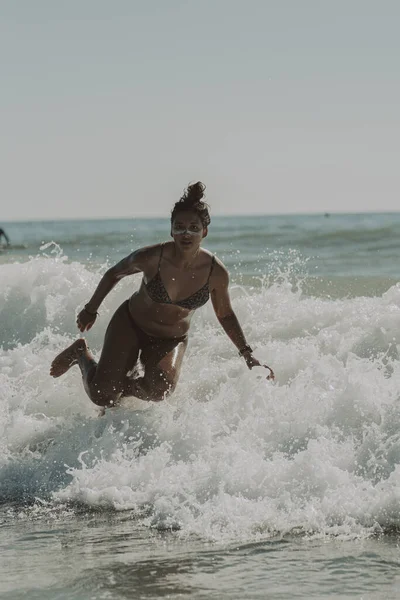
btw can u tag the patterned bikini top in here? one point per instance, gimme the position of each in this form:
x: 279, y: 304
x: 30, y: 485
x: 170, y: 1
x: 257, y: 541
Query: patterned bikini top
x: 157, y: 292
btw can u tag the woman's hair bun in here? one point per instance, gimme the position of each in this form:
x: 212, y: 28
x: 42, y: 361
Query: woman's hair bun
x: 192, y: 200
x: 195, y: 192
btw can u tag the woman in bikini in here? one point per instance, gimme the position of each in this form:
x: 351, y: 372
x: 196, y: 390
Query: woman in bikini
x: 153, y: 324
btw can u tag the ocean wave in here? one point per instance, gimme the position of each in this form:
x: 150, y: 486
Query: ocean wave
x: 230, y: 455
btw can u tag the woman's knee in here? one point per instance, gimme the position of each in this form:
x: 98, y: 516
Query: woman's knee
x: 160, y: 390
x: 101, y: 395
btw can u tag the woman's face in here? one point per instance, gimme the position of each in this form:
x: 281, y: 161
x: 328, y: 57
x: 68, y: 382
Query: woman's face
x: 187, y: 230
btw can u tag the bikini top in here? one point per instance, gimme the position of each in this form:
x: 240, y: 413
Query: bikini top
x: 157, y: 292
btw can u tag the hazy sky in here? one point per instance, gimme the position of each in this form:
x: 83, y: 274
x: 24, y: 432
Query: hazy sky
x: 110, y: 107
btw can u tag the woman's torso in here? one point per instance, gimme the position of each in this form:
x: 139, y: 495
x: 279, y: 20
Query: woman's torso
x: 168, y: 295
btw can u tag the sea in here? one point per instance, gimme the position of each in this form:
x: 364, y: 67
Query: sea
x: 235, y: 487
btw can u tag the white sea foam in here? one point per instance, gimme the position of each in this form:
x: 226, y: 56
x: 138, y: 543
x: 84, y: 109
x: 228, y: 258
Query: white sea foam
x: 230, y: 454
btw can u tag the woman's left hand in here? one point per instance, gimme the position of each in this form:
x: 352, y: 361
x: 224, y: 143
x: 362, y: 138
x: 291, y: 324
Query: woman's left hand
x: 251, y: 362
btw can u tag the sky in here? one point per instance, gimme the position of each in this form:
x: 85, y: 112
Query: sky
x: 109, y: 108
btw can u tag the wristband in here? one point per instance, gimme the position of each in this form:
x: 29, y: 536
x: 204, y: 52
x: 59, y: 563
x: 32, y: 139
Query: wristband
x: 245, y: 349
x: 93, y: 314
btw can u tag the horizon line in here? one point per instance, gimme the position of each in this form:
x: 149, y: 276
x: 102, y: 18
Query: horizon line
x: 218, y: 216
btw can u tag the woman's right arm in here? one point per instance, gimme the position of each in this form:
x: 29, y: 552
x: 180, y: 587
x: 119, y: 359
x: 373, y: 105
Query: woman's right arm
x: 127, y: 266
x: 134, y: 263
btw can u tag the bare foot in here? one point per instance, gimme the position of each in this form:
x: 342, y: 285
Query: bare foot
x: 67, y: 358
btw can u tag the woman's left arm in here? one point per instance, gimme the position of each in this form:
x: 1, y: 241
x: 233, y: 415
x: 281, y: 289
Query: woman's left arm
x: 228, y: 319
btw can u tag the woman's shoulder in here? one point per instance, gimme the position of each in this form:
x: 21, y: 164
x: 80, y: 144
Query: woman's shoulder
x: 218, y: 268
x: 150, y: 251
x: 147, y: 254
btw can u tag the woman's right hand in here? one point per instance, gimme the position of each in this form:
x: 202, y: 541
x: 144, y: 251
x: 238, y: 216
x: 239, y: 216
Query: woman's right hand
x: 85, y: 320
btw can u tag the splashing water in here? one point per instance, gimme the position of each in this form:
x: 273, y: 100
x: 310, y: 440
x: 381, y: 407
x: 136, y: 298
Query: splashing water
x: 230, y: 455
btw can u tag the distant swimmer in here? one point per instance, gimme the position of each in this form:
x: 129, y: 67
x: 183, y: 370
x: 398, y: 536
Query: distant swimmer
x: 3, y: 234
x: 151, y: 327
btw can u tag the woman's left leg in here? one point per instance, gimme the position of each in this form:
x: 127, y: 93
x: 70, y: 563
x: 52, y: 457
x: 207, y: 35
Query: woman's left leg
x: 162, y: 362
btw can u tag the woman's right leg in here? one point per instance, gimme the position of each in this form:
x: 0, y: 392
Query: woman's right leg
x: 104, y: 382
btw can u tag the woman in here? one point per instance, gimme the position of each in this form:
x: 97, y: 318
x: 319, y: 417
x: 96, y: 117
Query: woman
x: 178, y: 278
